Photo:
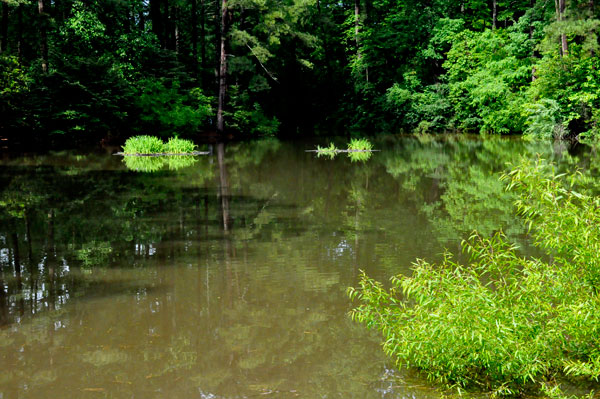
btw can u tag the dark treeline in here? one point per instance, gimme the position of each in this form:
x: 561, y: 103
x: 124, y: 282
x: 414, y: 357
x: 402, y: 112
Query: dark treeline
x: 87, y: 70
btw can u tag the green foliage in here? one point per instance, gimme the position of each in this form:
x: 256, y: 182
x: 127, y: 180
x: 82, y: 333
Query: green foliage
x: 541, y: 120
x: 330, y: 151
x: 501, y: 322
x: 154, y: 145
x: 143, y: 145
x: 248, y: 117
x: 94, y: 253
x: 360, y: 150
x: 360, y: 145
x: 176, y: 145
x: 13, y: 79
x: 174, y: 110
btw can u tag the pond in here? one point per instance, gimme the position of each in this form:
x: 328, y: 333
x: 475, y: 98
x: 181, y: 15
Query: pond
x: 226, y: 277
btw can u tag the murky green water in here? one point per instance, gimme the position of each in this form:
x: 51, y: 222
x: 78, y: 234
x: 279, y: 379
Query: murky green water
x: 227, y: 278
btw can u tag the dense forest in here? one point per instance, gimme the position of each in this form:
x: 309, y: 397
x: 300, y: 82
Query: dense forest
x: 81, y: 71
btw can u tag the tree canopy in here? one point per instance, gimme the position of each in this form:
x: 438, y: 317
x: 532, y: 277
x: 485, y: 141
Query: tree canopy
x: 84, y: 71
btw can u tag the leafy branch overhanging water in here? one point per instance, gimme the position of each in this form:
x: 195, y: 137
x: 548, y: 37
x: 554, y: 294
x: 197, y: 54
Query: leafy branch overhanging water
x: 502, y: 322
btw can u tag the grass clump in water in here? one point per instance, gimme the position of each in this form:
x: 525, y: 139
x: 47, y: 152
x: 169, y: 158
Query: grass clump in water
x: 154, y: 145
x: 502, y: 322
x: 330, y: 151
x: 143, y: 145
x: 360, y: 150
x: 360, y: 145
x: 176, y: 145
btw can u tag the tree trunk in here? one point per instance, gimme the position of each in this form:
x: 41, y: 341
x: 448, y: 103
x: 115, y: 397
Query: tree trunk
x: 19, y: 32
x: 560, y: 6
x: 194, y: 38
x: 494, y: 14
x: 142, y: 20
x: 356, y: 34
x: 563, y: 36
x: 43, y: 36
x: 224, y: 185
x: 176, y: 28
x: 156, y: 18
x: 357, y: 24
x: 167, y: 32
x: 4, y: 28
x: 203, y: 35
x: 222, y: 67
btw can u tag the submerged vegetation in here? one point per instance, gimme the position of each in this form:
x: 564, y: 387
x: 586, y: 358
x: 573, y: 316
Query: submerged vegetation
x: 502, y: 322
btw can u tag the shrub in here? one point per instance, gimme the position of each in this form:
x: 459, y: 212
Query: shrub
x: 502, y: 322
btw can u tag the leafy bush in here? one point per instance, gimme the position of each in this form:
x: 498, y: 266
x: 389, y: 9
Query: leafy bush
x: 541, y: 120
x: 502, y: 322
x: 167, y: 108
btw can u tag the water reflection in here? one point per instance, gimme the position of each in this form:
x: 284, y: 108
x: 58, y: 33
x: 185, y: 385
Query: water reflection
x: 226, y: 279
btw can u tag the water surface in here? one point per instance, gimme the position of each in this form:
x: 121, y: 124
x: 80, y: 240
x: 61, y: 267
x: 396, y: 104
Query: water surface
x: 226, y: 278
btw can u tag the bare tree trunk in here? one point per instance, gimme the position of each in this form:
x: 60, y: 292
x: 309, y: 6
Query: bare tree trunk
x: 142, y: 19
x: 19, y: 32
x: 494, y: 14
x: 203, y: 34
x: 560, y: 6
x: 357, y: 23
x: 43, y: 36
x: 176, y: 28
x: 156, y: 18
x: 4, y: 28
x: 222, y: 68
x: 166, y: 26
x: 3, y: 304
x: 194, y: 38
x: 17, y: 266
x: 50, y: 263
x: 224, y: 185
x: 356, y: 33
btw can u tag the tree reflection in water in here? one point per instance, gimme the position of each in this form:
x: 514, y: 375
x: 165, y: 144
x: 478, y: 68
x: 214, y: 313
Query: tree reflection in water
x: 227, y: 277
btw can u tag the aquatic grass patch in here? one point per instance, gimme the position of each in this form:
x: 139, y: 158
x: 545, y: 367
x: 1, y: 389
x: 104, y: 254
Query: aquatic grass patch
x: 176, y: 145
x: 146, y: 145
x: 360, y: 145
x: 330, y: 151
x: 150, y: 154
x: 143, y: 145
x: 359, y: 150
x: 502, y: 322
